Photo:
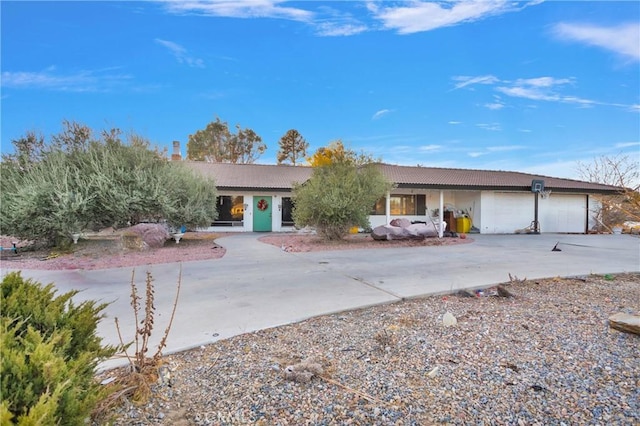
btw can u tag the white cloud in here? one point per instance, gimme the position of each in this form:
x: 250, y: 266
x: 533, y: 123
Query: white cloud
x: 494, y: 127
x: 430, y: 148
x: 543, y: 89
x: 476, y: 154
x: 240, y: 9
x: 332, y: 29
x: 494, y: 149
x: 381, y: 113
x: 525, y: 130
x: 82, y: 81
x: 418, y: 16
x: 494, y: 106
x: 538, y: 89
x: 626, y: 144
x: 505, y: 148
x: 543, y: 81
x: 410, y: 17
x: 623, y: 39
x: 455, y: 122
x: 181, y: 54
x: 464, y: 81
x: 326, y: 21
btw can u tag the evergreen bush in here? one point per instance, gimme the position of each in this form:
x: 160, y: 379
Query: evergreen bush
x: 49, y: 351
x: 78, y: 182
x: 338, y: 196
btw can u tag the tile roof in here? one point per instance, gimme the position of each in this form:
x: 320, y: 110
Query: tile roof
x: 431, y: 177
x: 281, y: 177
x: 258, y: 176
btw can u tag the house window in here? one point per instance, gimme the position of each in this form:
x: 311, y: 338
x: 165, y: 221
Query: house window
x: 379, y: 207
x: 408, y: 205
x: 402, y: 205
x: 287, y: 211
x: 230, y: 211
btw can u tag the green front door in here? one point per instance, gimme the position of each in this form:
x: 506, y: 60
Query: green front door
x: 262, y: 214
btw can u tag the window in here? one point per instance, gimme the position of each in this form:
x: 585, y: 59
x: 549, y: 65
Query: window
x: 402, y: 205
x: 230, y: 210
x: 379, y: 207
x: 287, y: 211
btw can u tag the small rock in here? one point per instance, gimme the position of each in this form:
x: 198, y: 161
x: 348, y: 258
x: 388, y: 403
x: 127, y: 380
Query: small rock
x: 434, y: 371
x: 448, y: 319
x: 303, y: 372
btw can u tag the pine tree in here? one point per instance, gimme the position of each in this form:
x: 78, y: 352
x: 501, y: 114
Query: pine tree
x: 292, y: 147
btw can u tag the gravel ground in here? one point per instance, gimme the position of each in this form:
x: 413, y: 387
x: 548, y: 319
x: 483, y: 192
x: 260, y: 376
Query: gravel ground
x: 543, y: 357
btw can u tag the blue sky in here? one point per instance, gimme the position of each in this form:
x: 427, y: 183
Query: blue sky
x: 527, y: 86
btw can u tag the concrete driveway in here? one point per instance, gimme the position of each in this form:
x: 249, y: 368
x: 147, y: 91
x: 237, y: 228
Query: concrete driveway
x: 256, y: 286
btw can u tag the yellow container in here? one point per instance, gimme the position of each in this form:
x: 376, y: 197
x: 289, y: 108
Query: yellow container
x: 354, y: 230
x: 463, y: 225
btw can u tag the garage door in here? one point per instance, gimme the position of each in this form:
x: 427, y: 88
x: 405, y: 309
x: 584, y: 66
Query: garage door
x: 563, y: 213
x: 511, y: 211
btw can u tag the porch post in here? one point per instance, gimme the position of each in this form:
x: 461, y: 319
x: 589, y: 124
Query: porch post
x: 441, y: 214
x: 387, y: 207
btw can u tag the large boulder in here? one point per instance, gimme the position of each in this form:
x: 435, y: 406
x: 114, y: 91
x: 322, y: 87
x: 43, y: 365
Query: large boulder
x: 415, y: 231
x: 423, y: 230
x: 144, y: 236
x: 400, y: 222
x: 387, y: 233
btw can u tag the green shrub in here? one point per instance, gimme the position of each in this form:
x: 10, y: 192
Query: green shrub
x: 49, y: 351
x: 50, y: 191
x: 338, y: 196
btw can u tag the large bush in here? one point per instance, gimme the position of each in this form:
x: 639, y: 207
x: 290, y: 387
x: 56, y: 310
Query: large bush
x: 49, y: 351
x: 77, y: 183
x: 338, y: 196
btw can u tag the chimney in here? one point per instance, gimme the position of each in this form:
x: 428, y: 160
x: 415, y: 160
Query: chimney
x: 176, y: 155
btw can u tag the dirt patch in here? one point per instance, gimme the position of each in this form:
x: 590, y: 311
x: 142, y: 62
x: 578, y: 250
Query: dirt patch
x: 304, y: 243
x: 107, y: 251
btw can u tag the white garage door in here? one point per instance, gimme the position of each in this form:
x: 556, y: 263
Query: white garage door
x: 511, y: 211
x: 563, y: 213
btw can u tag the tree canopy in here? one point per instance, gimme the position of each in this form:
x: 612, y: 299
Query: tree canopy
x: 336, y: 152
x: 292, y: 147
x: 621, y: 171
x: 216, y: 143
x: 340, y: 192
x: 79, y: 182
